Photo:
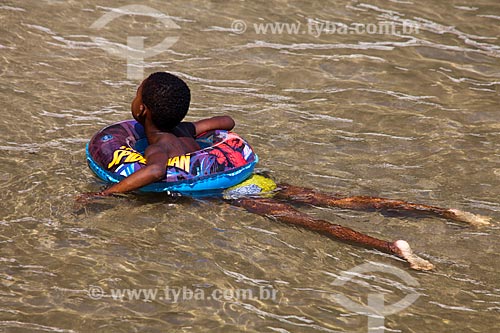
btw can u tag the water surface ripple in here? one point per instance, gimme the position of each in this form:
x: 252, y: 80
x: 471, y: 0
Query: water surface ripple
x: 405, y: 115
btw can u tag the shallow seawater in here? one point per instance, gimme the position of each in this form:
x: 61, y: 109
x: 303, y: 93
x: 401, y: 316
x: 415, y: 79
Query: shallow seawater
x: 411, y: 115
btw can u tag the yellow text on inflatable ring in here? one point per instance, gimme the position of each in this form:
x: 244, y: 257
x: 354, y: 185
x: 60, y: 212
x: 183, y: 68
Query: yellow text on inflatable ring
x: 130, y: 154
x: 181, y: 162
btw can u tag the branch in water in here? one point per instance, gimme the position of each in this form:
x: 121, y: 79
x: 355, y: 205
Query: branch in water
x: 309, y: 196
x: 287, y: 214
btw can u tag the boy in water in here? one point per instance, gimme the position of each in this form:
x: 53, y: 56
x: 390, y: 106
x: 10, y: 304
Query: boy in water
x: 160, y: 105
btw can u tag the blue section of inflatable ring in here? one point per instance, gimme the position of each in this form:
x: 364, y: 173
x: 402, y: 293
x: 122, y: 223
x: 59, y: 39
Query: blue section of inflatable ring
x: 208, y: 183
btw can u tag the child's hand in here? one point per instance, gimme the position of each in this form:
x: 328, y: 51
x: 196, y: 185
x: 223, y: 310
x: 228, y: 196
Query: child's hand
x: 85, y: 198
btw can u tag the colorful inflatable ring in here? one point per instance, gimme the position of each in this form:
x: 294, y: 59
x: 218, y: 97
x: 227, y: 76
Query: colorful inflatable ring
x: 225, y: 159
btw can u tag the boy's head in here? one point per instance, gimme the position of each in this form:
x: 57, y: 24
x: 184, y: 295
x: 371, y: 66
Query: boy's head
x: 166, y: 97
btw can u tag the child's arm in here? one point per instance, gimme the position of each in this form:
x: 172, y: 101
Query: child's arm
x: 156, y: 157
x: 219, y: 122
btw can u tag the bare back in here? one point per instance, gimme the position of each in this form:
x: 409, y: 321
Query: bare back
x: 180, y: 140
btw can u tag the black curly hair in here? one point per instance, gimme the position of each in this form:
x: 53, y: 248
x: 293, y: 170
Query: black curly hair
x: 168, y: 97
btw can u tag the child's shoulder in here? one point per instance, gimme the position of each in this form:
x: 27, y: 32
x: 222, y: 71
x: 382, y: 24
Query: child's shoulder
x: 185, y: 129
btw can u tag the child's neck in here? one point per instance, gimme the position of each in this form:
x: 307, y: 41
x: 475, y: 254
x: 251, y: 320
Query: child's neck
x: 152, y: 132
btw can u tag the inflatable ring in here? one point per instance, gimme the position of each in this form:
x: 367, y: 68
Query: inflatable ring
x: 224, y: 160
